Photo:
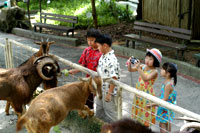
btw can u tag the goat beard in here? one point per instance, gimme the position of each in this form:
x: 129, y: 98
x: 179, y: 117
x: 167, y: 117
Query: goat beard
x: 50, y: 83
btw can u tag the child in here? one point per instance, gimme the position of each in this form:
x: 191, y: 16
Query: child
x: 168, y: 93
x: 148, y: 75
x: 125, y: 125
x: 89, y: 58
x: 108, y: 67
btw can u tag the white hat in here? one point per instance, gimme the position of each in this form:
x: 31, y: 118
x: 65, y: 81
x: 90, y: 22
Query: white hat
x: 156, y: 53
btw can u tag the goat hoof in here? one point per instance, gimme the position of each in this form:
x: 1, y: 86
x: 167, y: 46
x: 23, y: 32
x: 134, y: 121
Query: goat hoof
x: 83, y: 116
x: 91, y: 113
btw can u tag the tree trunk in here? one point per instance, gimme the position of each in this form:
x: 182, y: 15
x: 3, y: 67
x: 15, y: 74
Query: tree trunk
x: 196, y: 21
x: 28, y: 11
x: 13, y: 2
x: 139, y: 10
x: 94, y: 14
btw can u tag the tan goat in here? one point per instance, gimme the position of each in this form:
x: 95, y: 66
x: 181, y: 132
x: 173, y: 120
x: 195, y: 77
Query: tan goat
x: 52, y: 106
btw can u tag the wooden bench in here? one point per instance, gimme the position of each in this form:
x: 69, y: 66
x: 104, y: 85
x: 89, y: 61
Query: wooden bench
x: 56, y: 17
x: 197, y: 56
x: 182, y: 34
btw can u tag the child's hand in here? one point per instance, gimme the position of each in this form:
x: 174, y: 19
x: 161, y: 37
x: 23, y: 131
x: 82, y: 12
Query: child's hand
x: 108, y: 97
x: 137, y: 65
x: 73, y: 71
x: 128, y: 62
x: 149, y: 105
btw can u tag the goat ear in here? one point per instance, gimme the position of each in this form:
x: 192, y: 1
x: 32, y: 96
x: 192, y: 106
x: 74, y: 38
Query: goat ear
x: 38, y: 43
x: 52, y: 42
x: 94, y: 84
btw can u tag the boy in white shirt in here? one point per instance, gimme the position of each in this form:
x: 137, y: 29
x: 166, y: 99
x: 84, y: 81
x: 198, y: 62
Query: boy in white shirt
x: 108, y: 67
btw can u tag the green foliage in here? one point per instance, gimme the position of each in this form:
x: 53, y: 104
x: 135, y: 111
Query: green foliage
x: 76, y: 124
x: 56, y: 129
x: 107, y: 12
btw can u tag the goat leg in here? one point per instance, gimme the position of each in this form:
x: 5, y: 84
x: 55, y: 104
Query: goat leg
x: 85, y: 112
x: 81, y: 114
x: 89, y: 111
x: 7, y: 107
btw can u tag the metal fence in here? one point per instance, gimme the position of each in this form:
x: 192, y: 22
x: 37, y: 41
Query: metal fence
x: 16, y: 53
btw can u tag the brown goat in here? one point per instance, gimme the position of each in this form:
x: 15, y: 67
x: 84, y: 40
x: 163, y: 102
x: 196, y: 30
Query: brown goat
x: 125, y: 125
x: 44, y: 50
x: 18, y: 84
x: 52, y: 106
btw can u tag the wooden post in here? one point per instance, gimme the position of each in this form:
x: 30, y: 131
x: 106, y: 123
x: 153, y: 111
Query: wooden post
x: 196, y: 21
x: 6, y: 53
x: 94, y: 14
x: 28, y: 11
x: 180, y: 13
x: 40, y: 11
x: 10, y: 55
x: 119, y: 105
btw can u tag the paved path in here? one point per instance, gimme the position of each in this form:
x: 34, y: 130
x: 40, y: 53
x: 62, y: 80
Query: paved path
x: 188, y: 90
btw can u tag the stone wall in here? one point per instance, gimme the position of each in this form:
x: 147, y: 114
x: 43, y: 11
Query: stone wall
x: 13, y: 17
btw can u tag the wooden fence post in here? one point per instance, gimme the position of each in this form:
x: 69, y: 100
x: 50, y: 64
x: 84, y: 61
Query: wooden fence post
x: 119, y: 105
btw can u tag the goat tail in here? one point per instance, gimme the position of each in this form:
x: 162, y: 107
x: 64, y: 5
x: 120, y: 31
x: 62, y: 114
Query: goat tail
x: 20, y: 123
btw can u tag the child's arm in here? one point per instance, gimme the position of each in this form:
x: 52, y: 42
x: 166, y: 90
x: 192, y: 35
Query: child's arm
x: 134, y: 68
x: 168, y: 90
x: 110, y: 91
x: 148, y: 77
x: 151, y: 105
x: 74, y: 71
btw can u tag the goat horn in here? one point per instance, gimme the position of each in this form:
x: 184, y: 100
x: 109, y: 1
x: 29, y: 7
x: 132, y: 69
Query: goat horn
x: 47, y: 39
x: 41, y: 64
x: 42, y: 39
x: 190, y: 125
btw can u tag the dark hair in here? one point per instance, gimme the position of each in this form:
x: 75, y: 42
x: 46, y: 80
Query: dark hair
x: 104, y: 38
x: 155, y: 62
x: 93, y: 33
x: 172, y: 69
x: 125, y: 125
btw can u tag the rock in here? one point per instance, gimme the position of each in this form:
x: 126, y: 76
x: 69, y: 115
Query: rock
x: 13, y: 17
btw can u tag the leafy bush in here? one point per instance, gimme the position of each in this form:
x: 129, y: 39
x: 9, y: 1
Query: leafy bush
x: 107, y: 12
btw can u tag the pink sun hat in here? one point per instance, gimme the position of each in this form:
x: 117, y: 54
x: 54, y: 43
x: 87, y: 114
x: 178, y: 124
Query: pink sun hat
x: 156, y: 53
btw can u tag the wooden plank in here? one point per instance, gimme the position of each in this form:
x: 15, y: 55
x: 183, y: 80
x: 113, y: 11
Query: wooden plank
x: 59, y: 19
x: 55, y: 27
x: 155, y: 41
x: 174, y: 29
x: 59, y: 15
x: 181, y: 36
